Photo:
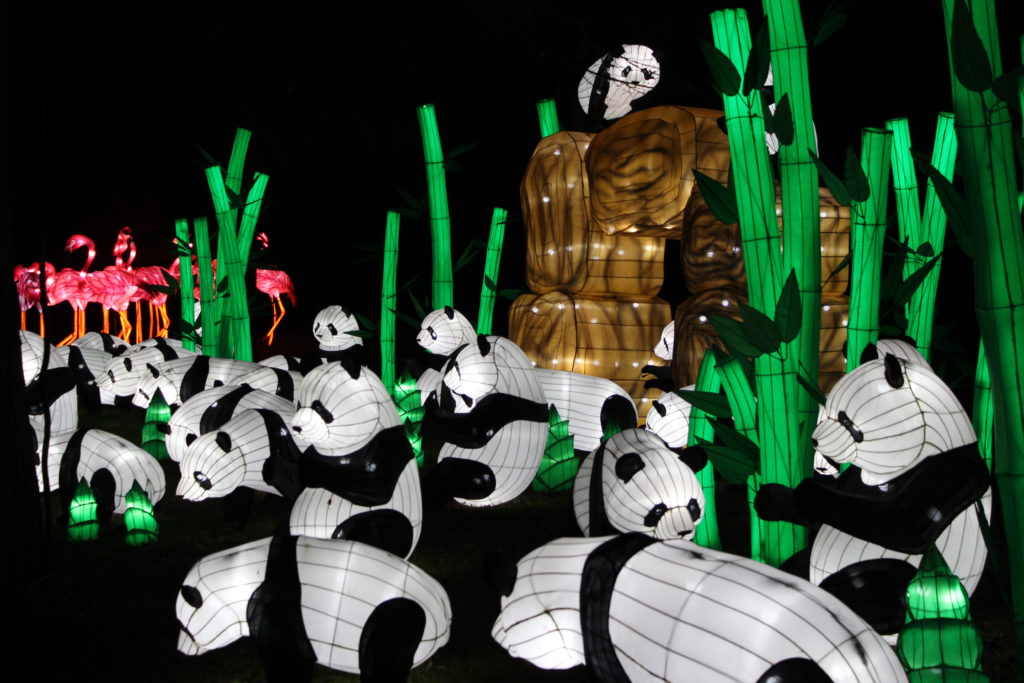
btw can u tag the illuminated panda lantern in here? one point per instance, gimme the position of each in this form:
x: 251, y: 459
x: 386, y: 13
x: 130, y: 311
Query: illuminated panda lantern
x: 87, y: 363
x: 445, y: 330
x: 331, y: 328
x: 102, y: 341
x: 180, y: 379
x: 663, y: 349
x: 123, y: 373
x: 669, y: 418
x: 633, y: 608
x: 493, y: 417
x: 361, y: 477
x: 344, y: 605
x: 208, y: 410
x: 633, y: 482
x: 915, y: 472
x: 51, y: 392
x: 610, y: 85
x: 589, y: 404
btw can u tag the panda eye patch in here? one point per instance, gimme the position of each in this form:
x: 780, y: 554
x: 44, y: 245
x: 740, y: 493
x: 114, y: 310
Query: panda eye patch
x: 189, y: 438
x: 331, y: 328
x: 152, y: 370
x: 128, y: 364
x: 192, y: 596
x: 656, y: 513
x: 433, y: 335
x: 627, y: 466
x: 846, y: 422
x: 648, y: 75
x: 628, y: 70
x: 694, y: 507
x: 203, y: 480
x: 324, y: 414
x: 223, y: 440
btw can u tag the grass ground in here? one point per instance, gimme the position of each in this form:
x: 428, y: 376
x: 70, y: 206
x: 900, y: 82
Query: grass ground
x: 109, y: 608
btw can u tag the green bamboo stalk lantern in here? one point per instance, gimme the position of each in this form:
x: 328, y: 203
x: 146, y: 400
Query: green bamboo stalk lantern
x: 983, y: 409
x: 707, y: 533
x: 208, y: 304
x: 236, y: 340
x: 490, y: 287
x: 993, y: 223
x: 157, y: 414
x: 410, y: 412
x: 547, y: 114
x: 559, y: 464
x: 186, y: 286
x: 867, y: 234
x: 776, y: 386
x: 82, y: 524
x: 389, y: 300
x: 442, y: 287
x: 138, y: 517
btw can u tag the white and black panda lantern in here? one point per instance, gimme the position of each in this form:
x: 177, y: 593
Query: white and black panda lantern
x: 634, y: 482
x: 345, y: 605
x: 632, y: 608
x: 445, y: 330
x: 493, y: 417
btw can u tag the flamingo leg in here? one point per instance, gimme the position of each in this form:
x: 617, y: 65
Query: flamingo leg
x: 23, y: 325
x: 138, y: 323
x: 278, y: 306
x: 42, y: 325
x: 165, y: 320
x: 126, y: 327
x: 106, y: 320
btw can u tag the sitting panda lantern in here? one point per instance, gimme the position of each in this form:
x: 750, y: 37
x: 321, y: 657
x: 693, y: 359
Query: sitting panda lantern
x: 345, y: 605
x: 633, y: 608
x: 492, y: 415
x: 633, y: 482
x: 361, y: 478
x: 915, y: 469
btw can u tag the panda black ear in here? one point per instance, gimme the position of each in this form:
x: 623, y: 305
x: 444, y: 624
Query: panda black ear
x: 450, y: 312
x: 893, y: 371
x: 628, y: 465
x: 694, y: 457
x: 870, y: 352
x: 224, y: 441
x: 483, y: 344
x: 500, y: 573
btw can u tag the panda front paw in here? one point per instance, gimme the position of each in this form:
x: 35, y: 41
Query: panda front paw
x: 776, y: 503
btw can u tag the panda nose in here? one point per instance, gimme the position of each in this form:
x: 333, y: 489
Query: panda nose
x: 297, y: 429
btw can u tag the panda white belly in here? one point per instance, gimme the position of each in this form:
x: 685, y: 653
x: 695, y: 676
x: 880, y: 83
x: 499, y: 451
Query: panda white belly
x: 512, y: 455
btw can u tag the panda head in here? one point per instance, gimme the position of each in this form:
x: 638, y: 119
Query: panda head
x: 649, y: 488
x: 471, y: 374
x: 669, y: 418
x: 619, y: 77
x: 341, y: 407
x: 211, y: 604
x: 887, y: 416
x: 331, y: 329
x: 220, y: 461
x: 150, y: 381
x: 667, y: 344
x: 444, y: 330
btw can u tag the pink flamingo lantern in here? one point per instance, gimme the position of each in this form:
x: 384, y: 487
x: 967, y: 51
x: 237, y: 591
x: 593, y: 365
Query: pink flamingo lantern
x: 73, y: 286
x: 274, y: 283
x: 26, y: 281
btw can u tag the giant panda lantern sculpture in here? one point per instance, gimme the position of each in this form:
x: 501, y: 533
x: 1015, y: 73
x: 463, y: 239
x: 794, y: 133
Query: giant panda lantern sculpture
x: 345, y: 605
x: 361, y: 478
x: 915, y: 470
x: 633, y: 608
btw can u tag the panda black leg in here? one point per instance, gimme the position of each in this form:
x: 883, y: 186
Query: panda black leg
x: 389, y: 641
x: 236, y: 508
x: 467, y: 479
x: 875, y: 589
x: 103, y: 489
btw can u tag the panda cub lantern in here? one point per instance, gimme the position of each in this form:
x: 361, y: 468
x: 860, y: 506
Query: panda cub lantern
x: 345, y: 605
x: 634, y: 482
x: 632, y: 608
x: 492, y: 415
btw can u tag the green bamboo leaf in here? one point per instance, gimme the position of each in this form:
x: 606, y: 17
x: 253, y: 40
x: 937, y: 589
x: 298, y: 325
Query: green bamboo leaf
x: 732, y: 464
x: 952, y: 203
x: 761, y: 329
x: 735, y: 336
x: 411, y: 201
x: 1008, y: 86
x: 711, y: 403
x: 926, y: 250
x: 408, y: 213
x: 809, y: 386
x: 970, y: 61
x: 758, y: 60
x: 489, y: 284
x: 169, y: 279
x: 907, y: 288
x: 842, y: 264
x: 362, y: 334
x: 832, y: 181
x: 461, y: 149
x: 853, y: 176
x: 366, y: 322
x: 788, y: 309
x: 724, y: 76
x: 471, y: 250
x: 1018, y: 145
x: 720, y: 200
x: 783, y: 121
x: 420, y: 310
x: 831, y: 21
x: 727, y: 435
x: 407, y: 319
x: 510, y: 294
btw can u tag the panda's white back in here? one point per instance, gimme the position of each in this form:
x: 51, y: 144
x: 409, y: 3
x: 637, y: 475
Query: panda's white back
x: 682, y: 611
x: 344, y: 581
x: 579, y: 399
x: 125, y: 461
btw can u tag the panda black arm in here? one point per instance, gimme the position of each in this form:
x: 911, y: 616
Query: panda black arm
x: 367, y: 476
x: 777, y: 503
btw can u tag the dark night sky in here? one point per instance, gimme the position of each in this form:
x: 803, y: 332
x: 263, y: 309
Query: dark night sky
x: 109, y: 103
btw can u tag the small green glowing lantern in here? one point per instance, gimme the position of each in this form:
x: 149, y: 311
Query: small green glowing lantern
x: 82, y: 524
x: 410, y: 412
x: 138, y: 517
x: 559, y: 464
x: 936, y: 592
x: 158, y: 413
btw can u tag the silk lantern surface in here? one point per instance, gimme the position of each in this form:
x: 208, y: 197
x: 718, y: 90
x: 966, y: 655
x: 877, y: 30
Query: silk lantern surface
x: 669, y: 418
x: 329, y: 600
x: 210, y: 409
x: 123, y: 373
x: 89, y: 453
x: 634, y: 608
x: 633, y: 482
x: 180, y: 379
x: 331, y: 328
x: 493, y: 417
x: 588, y: 403
x: 52, y: 391
x: 618, y: 78
x: 358, y: 448
x: 667, y: 344
x: 444, y: 330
